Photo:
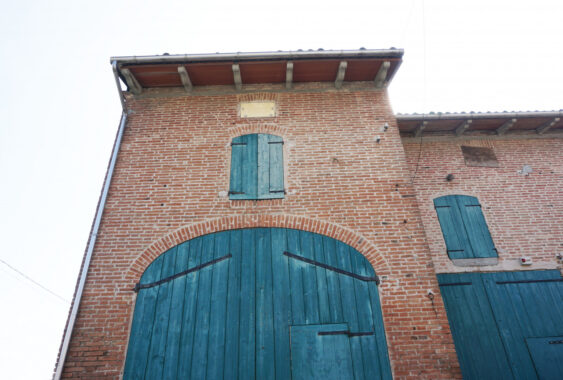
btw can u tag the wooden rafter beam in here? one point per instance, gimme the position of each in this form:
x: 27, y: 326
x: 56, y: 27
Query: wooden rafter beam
x: 463, y: 127
x: 419, y: 129
x: 289, y: 75
x: 381, y: 77
x: 236, y: 76
x: 185, y: 78
x: 340, y: 74
x: 547, y: 126
x: 506, y: 126
x: 132, y: 82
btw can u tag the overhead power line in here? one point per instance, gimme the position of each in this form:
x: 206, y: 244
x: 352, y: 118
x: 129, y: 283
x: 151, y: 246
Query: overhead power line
x: 33, y: 281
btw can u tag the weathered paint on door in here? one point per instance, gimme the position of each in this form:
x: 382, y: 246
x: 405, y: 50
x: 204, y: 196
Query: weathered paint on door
x: 318, y: 356
x: 499, y: 321
x: 230, y: 316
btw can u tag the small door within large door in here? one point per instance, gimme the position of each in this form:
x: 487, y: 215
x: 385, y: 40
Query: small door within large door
x: 547, y: 355
x: 321, y: 352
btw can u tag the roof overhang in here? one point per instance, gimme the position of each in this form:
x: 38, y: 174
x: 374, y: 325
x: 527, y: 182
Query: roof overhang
x: 238, y: 69
x: 479, y: 124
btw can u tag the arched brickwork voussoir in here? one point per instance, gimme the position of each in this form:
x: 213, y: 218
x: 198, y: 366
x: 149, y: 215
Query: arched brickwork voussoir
x: 183, y: 234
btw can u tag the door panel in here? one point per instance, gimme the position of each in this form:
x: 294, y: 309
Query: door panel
x: 547, y: 354
x: 203, y: 318
x: 321, y: 357
x: 496, y: 320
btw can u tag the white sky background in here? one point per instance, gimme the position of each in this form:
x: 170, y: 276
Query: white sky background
x: 59, y: 109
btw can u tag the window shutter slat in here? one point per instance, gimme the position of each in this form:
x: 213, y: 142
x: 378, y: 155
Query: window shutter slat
x: 263, y: 166
x: 476, y: 227
x: 276, y: 185
x: 238, y: 148
x: 243, y: 167
x: 457, y: 244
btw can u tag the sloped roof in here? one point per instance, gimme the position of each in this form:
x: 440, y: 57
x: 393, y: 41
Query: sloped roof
x: 494, y: 123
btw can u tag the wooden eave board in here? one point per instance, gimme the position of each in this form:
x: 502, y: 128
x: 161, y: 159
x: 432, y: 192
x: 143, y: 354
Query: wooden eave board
x: 449, y: 125
x: 366, y: 70
x: 263, y: 72
x: 208, y: 74
x: 156, y: 75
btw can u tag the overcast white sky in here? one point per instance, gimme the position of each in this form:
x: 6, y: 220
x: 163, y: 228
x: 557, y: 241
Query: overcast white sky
x: 59, y: 108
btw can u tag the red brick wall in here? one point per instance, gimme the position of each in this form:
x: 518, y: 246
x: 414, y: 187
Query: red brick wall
x: 524, y: 213
x: 170, y: 185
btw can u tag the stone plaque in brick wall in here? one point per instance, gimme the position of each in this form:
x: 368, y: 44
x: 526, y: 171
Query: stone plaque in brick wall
x: 258, y: 109
x: 479, y: 156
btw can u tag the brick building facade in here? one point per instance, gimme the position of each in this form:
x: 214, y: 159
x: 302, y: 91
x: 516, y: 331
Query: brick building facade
x: 352, y: 171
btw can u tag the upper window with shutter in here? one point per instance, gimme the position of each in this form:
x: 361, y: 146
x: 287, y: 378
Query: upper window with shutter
x: 257, y: 167
x: 464, y: 228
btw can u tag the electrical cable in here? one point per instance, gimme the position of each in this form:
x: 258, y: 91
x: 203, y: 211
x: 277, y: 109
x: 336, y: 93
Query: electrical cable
x: 33, y: 281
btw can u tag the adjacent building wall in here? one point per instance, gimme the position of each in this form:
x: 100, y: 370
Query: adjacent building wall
x: 524, y: 212
x: 171, y: 182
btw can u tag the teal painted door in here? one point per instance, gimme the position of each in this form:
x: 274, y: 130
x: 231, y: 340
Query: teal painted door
x: 501, y: 321
x: 321, y: 352
x: 235, y: 304
x: 547, y: 355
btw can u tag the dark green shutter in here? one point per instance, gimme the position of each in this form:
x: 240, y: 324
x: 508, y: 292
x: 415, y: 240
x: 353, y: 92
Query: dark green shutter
x: 244, y: 167
x: 476, y: 226
x: 464, y: 227
x: 457, y: 243
x: 270, y: 167
x: 256, y: 167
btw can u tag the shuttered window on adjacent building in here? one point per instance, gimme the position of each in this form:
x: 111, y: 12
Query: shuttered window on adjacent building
x: 257, y: 167
x: 464, y: 228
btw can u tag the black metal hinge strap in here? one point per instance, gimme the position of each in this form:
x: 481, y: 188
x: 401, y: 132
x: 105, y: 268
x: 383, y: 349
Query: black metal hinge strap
x: 441, y: 206
x: 275, y: 142
x: 455, y: 250
x: 346, y: 332
x: 277, y: 191
x: 456, y: 283
x: 331, y: 268
x: 529, y: 281
x: 472, y: 205
x: 236, y: 192
x: 140, y: 286
x: 237, y: 143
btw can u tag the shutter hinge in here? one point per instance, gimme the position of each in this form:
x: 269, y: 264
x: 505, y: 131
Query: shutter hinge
x: 472, y: 205
x: 139, y: 286
x: 236, y: 192
x: 275, y: 142
x: 278, y: 191
x: 346, y: 332
x: 441, y: 206
x: 456, y: 284
x: 237, y: 143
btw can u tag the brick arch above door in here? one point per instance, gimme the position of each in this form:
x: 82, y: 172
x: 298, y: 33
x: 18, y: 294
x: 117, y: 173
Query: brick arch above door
x: 180, y: 235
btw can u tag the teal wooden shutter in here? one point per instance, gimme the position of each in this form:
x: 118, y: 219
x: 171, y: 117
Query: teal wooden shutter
x: 464, y: 227
x: 270, y: 167
x: 475, y: 226
x: 244, y: 164
x: 457, y: 243
x: 256, y: 167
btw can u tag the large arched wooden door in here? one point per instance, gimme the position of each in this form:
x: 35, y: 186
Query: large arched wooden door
x: 260, y: 303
